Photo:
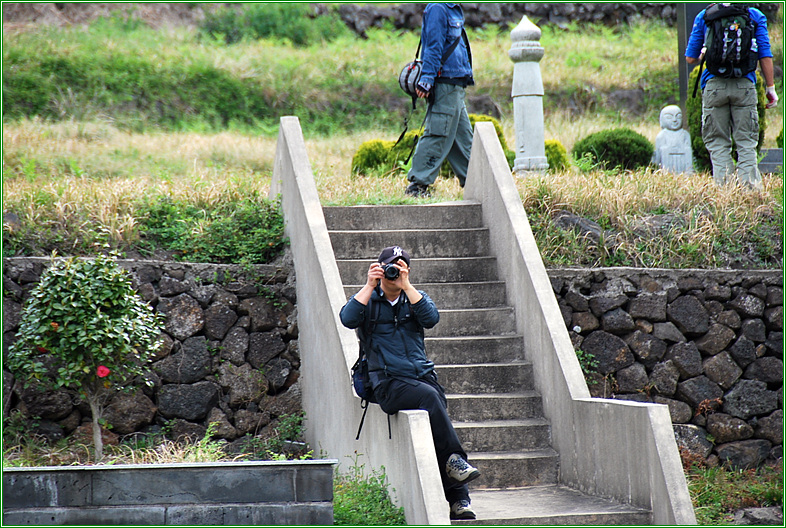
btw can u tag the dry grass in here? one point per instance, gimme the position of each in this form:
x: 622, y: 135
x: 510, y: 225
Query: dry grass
x: 78, y: 454
x: 90, y: 177
x: 84, y: 176
x: 627, y: 195
x: 711, y: 225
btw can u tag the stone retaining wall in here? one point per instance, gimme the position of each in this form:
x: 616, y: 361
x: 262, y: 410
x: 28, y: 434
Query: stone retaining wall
x: 361, y: 17
x: 709, y: 344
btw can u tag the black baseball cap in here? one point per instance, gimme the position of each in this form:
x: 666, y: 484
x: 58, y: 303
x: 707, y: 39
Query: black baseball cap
x: 389, y: 254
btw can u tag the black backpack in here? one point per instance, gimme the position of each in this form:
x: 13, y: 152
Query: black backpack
x: 730, y: 32
x: 728, y: 39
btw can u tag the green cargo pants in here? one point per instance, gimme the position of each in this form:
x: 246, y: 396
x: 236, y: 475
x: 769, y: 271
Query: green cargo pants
x: 448, y: 135
x: 729, y: 111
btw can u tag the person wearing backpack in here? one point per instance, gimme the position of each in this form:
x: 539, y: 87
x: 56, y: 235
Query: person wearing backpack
x: 448, y: 133
x: 731, y: 39
x: 401, y: 374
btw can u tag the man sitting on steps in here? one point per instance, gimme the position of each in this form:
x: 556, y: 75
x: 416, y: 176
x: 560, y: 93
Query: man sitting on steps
x: 402, y: 376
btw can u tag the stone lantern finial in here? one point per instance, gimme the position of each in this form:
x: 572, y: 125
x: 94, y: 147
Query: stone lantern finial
x: 527, y: 93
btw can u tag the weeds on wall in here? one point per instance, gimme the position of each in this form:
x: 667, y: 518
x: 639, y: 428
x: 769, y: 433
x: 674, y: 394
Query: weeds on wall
x: 364, y: 500
x: 718, y: 492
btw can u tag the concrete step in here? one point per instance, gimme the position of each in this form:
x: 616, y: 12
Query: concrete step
x: 480, y: 349
x: 504, y: 435
x: 428, y: 270
x: 486, y: 378
x: 474, y: 322
x: 550, y: 506
x: 497, y: 406
x: 419, y: 243
x: 435, y: 216
x: 515, y: 469
x: 456, y: 295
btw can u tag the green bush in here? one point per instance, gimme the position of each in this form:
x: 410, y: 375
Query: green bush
x: 293, y: 21
x: 509, y: 154
x: 557, y: 156
x: 248, y: 232
x: 779, y: 139
x: 375, y: 154
x: 620, y: 148
x: 693, y: 107
x: 371, y: 155
x: 84, y: 328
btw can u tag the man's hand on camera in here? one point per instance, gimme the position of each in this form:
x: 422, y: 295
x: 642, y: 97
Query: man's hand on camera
x: 375, y: 273
x: 403, y: 275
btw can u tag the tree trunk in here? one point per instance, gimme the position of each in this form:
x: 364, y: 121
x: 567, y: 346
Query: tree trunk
x: 98, y: 441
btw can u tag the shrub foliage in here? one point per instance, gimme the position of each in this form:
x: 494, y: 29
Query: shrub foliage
x: 619, y: 148
x: 557, y: 156
x: 249, y: 232
x: 84, y: 328
x: 377, y: 154
x: 295, y: 22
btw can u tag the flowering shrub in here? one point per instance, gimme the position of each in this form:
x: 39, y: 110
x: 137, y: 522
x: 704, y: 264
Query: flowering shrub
x: 84, y: 328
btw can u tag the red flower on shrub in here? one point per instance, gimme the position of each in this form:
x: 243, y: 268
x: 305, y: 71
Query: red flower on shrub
x: 42, y: 350
x: 102, y: 371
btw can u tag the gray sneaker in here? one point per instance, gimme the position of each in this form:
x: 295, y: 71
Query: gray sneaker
x: 417, y: 190
x: 458, y: 469
x: 461, y: 510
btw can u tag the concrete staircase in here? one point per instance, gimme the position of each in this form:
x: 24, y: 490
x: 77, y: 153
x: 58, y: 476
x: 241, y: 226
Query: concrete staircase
x: 480, y: 360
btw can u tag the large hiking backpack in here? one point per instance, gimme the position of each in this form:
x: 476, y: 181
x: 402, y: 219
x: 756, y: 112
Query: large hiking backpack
x: 730, y: 33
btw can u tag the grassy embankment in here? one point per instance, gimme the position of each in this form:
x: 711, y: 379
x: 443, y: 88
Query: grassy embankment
x: 137, y: 116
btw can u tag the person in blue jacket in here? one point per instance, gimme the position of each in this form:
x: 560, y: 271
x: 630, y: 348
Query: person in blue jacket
x: 729, y: 104
x: 401, y: 374
x: 448, y: 133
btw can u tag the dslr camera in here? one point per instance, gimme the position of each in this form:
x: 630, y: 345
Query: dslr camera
x: 391, y: 271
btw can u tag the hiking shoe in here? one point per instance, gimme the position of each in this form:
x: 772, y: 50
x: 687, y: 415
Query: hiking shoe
x: 417, y: 190
x: 458, y: 469
x: 461, y: 510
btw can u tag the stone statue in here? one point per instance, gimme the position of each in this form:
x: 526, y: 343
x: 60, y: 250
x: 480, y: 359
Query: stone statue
x: 672, y: 145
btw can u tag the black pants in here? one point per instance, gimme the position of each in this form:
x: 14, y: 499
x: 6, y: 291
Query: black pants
x: 427, y: 394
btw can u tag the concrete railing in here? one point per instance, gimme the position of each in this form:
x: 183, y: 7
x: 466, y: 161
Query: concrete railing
x: 621, y: 450
x: 202, y: 494
x: 328, y: 351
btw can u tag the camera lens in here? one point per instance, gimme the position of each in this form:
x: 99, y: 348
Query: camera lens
x: 391, y: 271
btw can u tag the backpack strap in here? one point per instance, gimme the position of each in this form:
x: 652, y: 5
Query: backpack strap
x: 372, y: 315
x: 698, y: 77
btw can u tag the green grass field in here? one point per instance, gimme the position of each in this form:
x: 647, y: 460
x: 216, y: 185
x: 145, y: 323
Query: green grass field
x: 104, y: 124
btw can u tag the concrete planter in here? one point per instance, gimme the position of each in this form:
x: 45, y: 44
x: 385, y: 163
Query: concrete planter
x: 227, y: 493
